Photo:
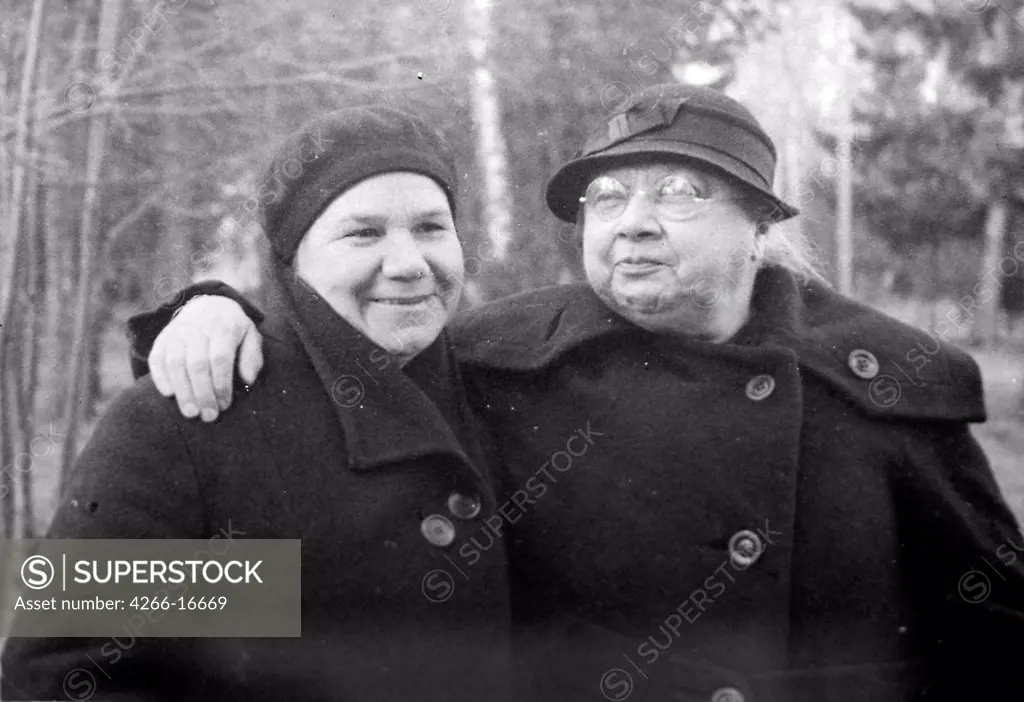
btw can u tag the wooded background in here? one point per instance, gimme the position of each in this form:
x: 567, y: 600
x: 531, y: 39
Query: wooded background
x: 131, y: 134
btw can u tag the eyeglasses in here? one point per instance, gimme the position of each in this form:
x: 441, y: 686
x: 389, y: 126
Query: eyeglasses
x: 673, y: 197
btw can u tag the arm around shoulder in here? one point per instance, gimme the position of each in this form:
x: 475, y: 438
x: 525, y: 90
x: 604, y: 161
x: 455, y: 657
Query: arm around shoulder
x: 144, y: 327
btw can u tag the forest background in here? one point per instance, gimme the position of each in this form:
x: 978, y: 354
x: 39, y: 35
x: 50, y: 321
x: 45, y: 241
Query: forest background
x: 133, y: 133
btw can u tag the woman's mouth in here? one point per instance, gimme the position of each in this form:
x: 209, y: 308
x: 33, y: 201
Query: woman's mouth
x: 405, y: 300
x: 639, y: 266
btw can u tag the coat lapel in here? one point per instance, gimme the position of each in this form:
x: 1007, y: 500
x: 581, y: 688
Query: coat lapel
x: 385, y: 416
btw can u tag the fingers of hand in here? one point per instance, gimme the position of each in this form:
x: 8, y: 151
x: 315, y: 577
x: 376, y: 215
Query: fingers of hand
x: 194, y: 356
x: 200, y: 375
x: 177, y: 376
x: 158, y: 368
x: 221, y: 324
x: 251, y: 356
x: 222, y: 365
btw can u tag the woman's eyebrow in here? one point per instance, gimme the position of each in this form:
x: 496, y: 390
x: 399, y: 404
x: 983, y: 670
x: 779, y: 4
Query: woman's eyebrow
x: 432, y: 213
x: 379, y: 220
x: 695, y: 177
x: 685, y: 173
x: 366, y: 219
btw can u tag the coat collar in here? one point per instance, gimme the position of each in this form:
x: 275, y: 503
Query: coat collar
x: 914, y: 374
x: 388, y: 414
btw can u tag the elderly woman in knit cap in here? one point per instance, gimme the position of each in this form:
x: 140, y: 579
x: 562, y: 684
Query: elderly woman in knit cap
x: 720, y: 480
x: 357, y: 441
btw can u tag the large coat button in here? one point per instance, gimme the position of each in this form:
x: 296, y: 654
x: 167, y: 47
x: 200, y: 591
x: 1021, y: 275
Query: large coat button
x: 863, y: 364
x: 745, y: 547
x: 727, y: 694
x: 463, y: 506
x: 438, y: 530
x: 760, y: 387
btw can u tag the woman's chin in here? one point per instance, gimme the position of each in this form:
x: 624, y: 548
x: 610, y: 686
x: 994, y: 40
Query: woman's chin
x: 643, y: 297
x: 406, y: 338
x: 403, y: 345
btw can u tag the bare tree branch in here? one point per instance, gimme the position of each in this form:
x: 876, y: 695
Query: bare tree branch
x: 309, y: 74
x: 65, y: 115
x: 115, y: 232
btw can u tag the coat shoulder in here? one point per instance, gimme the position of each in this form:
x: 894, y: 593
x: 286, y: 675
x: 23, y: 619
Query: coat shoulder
x: 524, y: 320
x: 890, y: 367
x: 140, y: 406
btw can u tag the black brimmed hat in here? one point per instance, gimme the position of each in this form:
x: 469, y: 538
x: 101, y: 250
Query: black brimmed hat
x: 673, y: 120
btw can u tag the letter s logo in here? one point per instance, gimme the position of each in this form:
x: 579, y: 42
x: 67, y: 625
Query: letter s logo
x: 79, y: 684
x: 37, y: 572
x: 438, y: 585
x: 616, y: 685
x: 974, y: 587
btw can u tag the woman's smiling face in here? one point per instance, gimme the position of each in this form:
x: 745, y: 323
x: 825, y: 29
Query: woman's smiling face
x: 386, y: 257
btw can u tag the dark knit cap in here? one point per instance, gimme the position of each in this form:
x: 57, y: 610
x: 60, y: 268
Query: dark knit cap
x: 674, y: 120
x: 331, y: 154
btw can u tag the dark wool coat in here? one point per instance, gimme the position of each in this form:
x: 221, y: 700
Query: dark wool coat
x: 375, y: 626
x: 798, y: 515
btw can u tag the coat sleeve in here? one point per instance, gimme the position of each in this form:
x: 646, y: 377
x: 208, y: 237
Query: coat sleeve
x: 134, y: 479
x: 144, y: 327
x: 965, y: 561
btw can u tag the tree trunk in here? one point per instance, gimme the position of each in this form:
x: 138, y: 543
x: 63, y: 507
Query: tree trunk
x: 8, y: 427
x: 6, y: 452
x: 844, y: 196
x: 792, y: 165
x: 991, y: 278
x: 57, y: 280
x: 110, y: 12
x: 491, y: 149
x: 63, y: 248
x: 35, y: 313
x: 174, y: 250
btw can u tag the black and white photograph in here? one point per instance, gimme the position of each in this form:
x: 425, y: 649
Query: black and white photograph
x: 512, y: 350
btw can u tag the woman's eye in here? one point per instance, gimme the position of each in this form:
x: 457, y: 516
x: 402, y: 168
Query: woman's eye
x: 606, y: 190
x: 431, y: 227
x: 365, y: 233
x: 678, y: 186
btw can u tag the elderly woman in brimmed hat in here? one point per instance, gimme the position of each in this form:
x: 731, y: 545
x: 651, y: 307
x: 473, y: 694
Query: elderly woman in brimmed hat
x: 722, y: 481
x: 369, y: 458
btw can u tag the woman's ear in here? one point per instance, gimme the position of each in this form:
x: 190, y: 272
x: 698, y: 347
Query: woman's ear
x: 760, y: 242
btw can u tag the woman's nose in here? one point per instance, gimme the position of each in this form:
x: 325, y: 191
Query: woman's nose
x: 637, y: 221
x: 403, y: 259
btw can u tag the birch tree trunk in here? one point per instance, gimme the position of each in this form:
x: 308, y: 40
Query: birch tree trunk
x: 991, y: 276
x: 844, y: 196
x: 78, y: 376
x: 174, y: 252
x: 34, y: 315
x: 62, y: 262
x: 6, y: 451
x: 21, y: 359
x: 791, y: 164
x: 491, y: 149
